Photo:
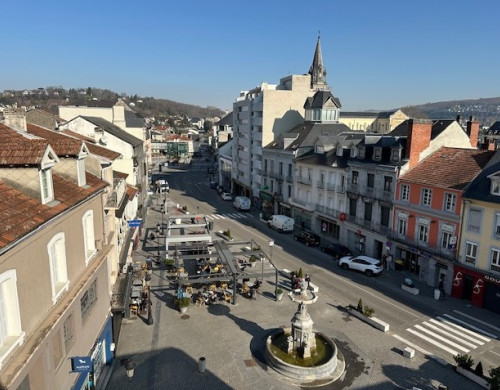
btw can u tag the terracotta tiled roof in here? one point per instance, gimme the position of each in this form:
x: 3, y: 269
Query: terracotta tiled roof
x: 93, y: 148
x: 21, y: 214
x: 120, y: 175
x: 131, y: 192
x: 450, y: 168
x: 22, y: 152
x: 62, y: 144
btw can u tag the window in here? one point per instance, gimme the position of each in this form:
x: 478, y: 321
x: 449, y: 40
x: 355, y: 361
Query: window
x: 450, y: 200
x: 289, y: 191
x: 68, y: 332
x: 405, y: 192
x: 11, y: 333
x: 385, y: 214
x: 402, y: 226
x: 446, y: 240
x: 474, y: 222
x: 495, y: 260
x: 355, y: 175
x: 423, y: 233
x: 377, y: 154
x: 47, y: 188
x: 88, y: 300
x: 289, y: 170
x: 370, y: 182
x: 387, y: 183
x: 272, y: 186
x: 88, y: 235
x: 354, y: 151
x: 394, y: 155
x: 280, y: 168
x: 496, y: 226
x: 368, y: 211
x: 470, y: 252
x: 265, y: 165
x: 352, y: 206
x: 426, y: 195
x: 57, y: 261
x: 361, y: 152
x: 495, y: 187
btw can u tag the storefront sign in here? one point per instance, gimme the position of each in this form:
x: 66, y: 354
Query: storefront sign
x: 491, y: 279
x: 81, y: 364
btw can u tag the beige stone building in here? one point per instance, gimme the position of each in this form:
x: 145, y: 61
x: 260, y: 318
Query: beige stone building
x: 54, y: 263
x: 373, y: 122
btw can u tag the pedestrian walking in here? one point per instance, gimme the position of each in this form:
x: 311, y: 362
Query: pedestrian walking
x: 308, y: 280
x: 441, y: 286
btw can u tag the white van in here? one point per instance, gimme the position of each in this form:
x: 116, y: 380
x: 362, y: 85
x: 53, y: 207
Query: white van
x: 241, y: 203
x: 281, y: 223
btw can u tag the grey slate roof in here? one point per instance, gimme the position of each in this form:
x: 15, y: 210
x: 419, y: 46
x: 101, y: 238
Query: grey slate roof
x: 113, y: 130
x: 438, y: 126
x: 133, y: 119
x: 480, y: 187
x: 319, y: 99
x: 308, y: 134
x: 226, y: 121
x: 329, y: 159
x: 494, y: 129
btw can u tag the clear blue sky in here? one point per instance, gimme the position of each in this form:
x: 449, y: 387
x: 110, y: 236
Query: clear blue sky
x: 378, y: 54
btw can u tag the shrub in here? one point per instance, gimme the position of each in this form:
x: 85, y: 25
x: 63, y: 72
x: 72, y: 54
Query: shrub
x: 169, y: 262
x: 183, y: 302
x: 479, y: 369
x: 253, y: 259
x: 368, y: 311
x: 185, y: 208
x: 494, y: 381
x: 360, y: 306
x: 463, y: 360
x: 300, y: 274
x: 279, y: 291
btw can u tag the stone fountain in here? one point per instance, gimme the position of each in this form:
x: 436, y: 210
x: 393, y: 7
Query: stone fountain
x: 294, y: 352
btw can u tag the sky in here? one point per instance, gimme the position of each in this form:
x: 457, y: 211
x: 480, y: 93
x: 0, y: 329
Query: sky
x: 378, y: 54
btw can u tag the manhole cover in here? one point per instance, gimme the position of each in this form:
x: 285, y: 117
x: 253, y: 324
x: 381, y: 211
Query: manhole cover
x: 250, y: 363
x: 185, y: 317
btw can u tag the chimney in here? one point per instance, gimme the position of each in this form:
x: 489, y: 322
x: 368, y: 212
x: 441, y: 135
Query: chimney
x: 418, y: 139
x: 473, y: 131
x: 459, y: 120
x: 15, y: 118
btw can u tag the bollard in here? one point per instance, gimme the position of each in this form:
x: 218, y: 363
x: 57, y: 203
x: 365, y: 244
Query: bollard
x: 202, y: 364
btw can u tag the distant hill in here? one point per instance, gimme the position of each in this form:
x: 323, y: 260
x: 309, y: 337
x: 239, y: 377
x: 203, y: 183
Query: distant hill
x: 50, y: 98
x: 485, y: 110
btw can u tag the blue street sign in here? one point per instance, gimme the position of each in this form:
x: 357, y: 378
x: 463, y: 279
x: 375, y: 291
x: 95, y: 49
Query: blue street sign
x: 81, y: 364
x: 135, y: 222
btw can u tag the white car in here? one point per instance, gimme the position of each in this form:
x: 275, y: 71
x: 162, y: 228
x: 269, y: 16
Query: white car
x: 226, y: 196
x: 365, y: 264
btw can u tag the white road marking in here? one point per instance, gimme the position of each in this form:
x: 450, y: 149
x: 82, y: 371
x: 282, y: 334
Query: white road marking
x: 437, y: 329
x: 432, y: 341
x: 475, y: 319
x: 449, y: 328
x: 494, y: 352
x: 420, y: 349
x: 443, y: 339
x: 220, y: 216
x: 472, y: 327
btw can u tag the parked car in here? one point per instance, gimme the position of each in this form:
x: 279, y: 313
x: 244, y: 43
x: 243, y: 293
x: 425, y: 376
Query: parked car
x: 336, y: 250
x: 365, y: 264
x: 226, y: 196
x: 214, y: 184
x: 242, y: 203
x: 308, y: 238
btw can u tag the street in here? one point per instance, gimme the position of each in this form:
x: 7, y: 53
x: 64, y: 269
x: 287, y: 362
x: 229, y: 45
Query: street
x: 229, y: 335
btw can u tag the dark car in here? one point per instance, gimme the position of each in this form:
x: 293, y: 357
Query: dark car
x: 308, y: 238
x: 336, y: 250
x: 214, y: 184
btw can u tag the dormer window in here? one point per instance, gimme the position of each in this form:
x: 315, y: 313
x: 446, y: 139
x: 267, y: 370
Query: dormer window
x: 394, y: 155
x: 495, y: 187
x: 354, y: 151
x: 377, y: 154
x: 339, y: 150
x: 361, y: 152
x: 316, y: 115
x: 80, y: 167
x: 47, y: 188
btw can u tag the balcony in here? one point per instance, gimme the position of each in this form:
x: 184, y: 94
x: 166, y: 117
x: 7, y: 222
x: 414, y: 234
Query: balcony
x: 432, y: 249
x: 328, y: 211
x: 272, y: 173
x: 353, y: 187
x: 320, y: 184
x: 113, y: 198
x: 303, y: 180
x: 289, y: 179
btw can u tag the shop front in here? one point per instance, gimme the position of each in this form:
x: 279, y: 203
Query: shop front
x: 302, y: 218
x: 407, y: 259
x: 267, y: 204
x: 284, y: 209
x: 330, y: 230
x: 480, y: 289
x: 101, y: 356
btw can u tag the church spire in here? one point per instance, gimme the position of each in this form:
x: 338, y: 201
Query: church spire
x: 317, y: 71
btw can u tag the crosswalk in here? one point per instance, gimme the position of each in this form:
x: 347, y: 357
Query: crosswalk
x: 213, y: 217
x: 451, y: 333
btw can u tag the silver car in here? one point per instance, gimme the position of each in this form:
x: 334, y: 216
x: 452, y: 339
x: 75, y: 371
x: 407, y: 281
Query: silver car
x: 367, y: 265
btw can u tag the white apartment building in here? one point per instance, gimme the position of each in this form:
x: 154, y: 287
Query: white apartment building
x: 262, y: 114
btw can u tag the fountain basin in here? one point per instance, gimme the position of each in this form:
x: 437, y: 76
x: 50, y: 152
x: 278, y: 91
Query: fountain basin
x: 328, y: 368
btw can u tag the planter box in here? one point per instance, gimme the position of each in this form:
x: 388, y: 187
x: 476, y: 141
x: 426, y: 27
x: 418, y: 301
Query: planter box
x: 473, y: 377
x: 373, y: 321
x: 222, y: 235
x: 411, y: 290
